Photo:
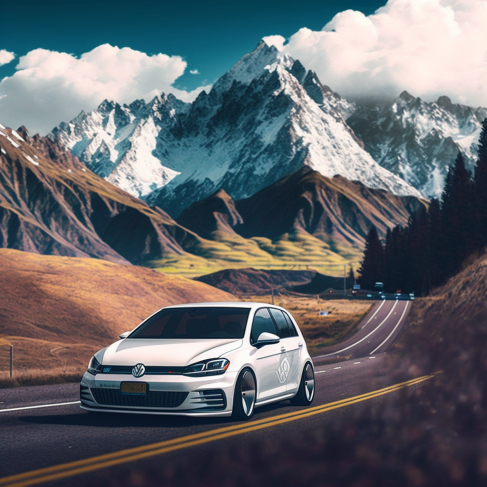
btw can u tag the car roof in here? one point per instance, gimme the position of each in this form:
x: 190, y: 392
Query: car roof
x: 225, y: 304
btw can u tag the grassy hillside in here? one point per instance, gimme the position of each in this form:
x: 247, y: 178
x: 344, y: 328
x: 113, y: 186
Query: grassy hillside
x: 57, y: 311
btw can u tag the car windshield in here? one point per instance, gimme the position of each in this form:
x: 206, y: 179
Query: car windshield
x: 197, y: 322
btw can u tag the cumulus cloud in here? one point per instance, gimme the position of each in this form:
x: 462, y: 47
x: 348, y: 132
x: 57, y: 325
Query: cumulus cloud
x: 6, y: 57
x: 49, y: 87
x: 428, y: 47
x: 194, y: 71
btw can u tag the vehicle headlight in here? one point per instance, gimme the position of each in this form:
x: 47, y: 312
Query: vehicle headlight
x: 207, y: 367
x: 94, y: 367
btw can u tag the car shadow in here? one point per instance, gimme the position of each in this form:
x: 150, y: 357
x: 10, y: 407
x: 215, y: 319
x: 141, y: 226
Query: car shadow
x: 121, y: 420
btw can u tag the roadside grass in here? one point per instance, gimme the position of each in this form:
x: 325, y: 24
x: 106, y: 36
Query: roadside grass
x: 41, y: 377
x: 321, y: 331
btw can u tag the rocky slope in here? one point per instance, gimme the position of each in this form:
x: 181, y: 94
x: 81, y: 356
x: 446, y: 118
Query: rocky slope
x: 418, y: 140
x: 264, y: 119
x: 334, y: 210
x: 51, y: 204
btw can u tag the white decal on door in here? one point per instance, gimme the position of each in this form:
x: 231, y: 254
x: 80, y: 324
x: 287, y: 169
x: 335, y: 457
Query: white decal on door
x: 283, y: 371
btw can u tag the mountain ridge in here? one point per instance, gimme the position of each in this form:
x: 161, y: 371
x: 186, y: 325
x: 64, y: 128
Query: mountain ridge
x: 263, y: 119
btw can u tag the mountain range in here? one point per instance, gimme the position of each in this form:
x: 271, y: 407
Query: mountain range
x: 269, y: 168
x: 419, y: 140
x: 50, y: 203
x: 264, y: 119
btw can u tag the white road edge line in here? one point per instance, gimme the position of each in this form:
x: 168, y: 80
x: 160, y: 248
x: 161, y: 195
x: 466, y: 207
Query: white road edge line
x: 320, y: 371
x: 365, y: 337
x: 372, y: 317
x: 394, y: 329
x: 40, y: 406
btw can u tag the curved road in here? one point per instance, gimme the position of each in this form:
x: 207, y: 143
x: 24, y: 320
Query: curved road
x: 46, y: 437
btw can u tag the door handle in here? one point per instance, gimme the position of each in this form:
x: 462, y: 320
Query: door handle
x: 300, y: 344
x: 283, y: 349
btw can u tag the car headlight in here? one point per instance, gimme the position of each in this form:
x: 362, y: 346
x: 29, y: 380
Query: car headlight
x: 94, y: 367
x: 207, y: 367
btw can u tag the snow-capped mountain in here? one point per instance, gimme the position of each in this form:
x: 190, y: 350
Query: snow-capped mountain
x: 127, y: 145
x: 418, y: 140
x: 262, y: 120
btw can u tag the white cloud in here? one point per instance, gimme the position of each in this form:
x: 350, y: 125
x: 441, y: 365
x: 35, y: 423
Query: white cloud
x: 276, y: 41
x: 428, y: 47
x: 194, y: 71
x: 49, y: 87
x: 6, y: 57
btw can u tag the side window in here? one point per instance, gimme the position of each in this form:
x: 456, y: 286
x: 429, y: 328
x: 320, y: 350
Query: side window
x: 262, y: 323
x: 294, y: 333
x: 282, y: 326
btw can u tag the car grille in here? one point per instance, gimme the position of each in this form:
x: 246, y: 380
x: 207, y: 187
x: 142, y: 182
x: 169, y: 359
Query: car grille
x: 210, y: 399
x: 153, y: 399
x: 149, y: 370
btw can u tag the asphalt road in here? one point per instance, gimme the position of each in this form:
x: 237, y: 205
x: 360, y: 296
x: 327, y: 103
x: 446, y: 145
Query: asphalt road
x: 46, y: 438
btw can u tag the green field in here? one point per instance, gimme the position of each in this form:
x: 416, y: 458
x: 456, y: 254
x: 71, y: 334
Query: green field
x: 296, y: 251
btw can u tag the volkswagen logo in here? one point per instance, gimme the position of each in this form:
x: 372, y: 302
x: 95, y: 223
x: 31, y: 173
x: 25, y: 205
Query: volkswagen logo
x: 138, y: 370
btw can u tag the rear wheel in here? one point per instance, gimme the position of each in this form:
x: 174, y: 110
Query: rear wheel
x: 306, y: 391
x: 244, y: 396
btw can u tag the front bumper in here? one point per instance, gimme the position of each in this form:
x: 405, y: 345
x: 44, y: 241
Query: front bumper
x: 169, y: 395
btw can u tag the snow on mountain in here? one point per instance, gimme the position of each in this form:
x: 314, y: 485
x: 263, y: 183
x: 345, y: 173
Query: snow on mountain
x: 262, y: 120
x: 124, y: 144
x: 418, y: 140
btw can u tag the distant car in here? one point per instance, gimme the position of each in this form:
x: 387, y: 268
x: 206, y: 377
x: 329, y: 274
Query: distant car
x: 204, y: 359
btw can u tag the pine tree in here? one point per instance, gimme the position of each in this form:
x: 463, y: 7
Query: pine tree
x: 457, y: 213
x: 480, y: 185
x: 371, y: 270
x: 351, y: 277
x: 435, y: 252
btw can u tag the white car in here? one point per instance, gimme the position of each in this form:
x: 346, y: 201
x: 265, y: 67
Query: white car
x: 203, y: 359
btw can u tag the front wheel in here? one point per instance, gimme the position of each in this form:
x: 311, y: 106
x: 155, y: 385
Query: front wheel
x: 306, y: 391
x: 244, y: 396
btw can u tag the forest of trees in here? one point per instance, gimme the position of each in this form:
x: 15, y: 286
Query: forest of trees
x: 437, y: 239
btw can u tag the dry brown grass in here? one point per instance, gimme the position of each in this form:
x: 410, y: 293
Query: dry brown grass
x: 320, y: 331
x: 37, y: 377
x: 57, y: 311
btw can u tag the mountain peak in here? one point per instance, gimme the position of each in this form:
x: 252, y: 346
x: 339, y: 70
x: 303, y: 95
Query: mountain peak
x: 253, y: 64
x: 444, y: 102
x: 406, y: 96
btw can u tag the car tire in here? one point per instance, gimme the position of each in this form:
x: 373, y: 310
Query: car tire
x: 306, y: 390
x: 244, y: 396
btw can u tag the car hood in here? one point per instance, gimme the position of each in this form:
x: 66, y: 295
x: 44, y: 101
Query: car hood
x: 157, y: 352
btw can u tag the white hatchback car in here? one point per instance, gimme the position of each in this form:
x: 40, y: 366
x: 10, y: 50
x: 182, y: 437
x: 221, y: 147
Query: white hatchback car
x: 203, y: 359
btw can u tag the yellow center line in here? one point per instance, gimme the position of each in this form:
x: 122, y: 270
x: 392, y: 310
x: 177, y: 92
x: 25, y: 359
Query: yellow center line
x: 110, y: 459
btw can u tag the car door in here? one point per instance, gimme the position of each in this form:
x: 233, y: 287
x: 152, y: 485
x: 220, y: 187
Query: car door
x: 266, y: 358
x: 294, y: 347
x: 290, y: 362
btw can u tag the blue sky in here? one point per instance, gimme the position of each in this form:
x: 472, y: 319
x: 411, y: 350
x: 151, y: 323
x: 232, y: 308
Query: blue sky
x: 58, y: 57
x: 210, y: 35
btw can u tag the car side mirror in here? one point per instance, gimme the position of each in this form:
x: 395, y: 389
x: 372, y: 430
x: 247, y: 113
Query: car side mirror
x: 266, y: 339
x: 124, y: 335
